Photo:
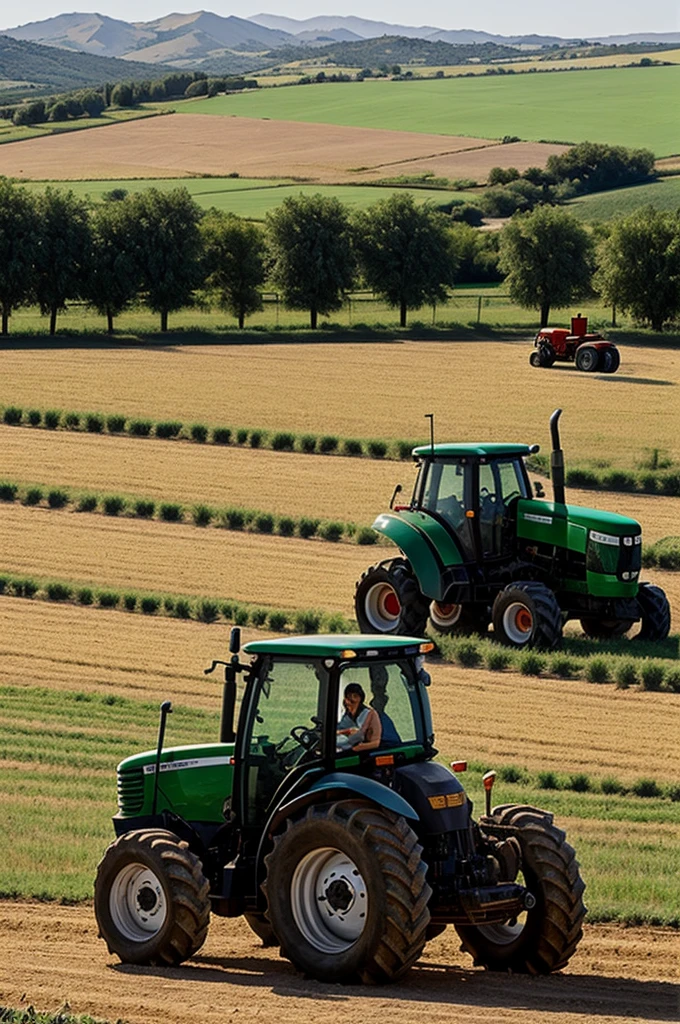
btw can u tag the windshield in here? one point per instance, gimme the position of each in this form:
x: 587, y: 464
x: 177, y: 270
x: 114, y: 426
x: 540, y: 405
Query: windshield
x: 378, y: 707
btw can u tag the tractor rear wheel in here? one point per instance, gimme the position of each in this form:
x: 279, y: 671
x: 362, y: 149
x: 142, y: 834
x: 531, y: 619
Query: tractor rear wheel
x: 458, y: 618
x: 151, y: 898
x: 611, y: 360
x: 605, y: 629
x: 587, y: 359
x: 388, y: 600
x: 526, y: 614
x: 544, y: 938
x: 655, y: 613
x: 347, y: 893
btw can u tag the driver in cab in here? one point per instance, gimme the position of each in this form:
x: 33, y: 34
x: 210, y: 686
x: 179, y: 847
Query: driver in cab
x: 359, y: 727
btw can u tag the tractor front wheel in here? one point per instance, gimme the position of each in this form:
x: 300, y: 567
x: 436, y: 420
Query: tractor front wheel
x: 388, y: 600
x: 587, y: 359
x: 526, y: 614
x: 151, y: 899
x: 347, y: 893
x: 655, y: 613
x: 458, y: 618
x: 544, y: 938
x: 611, y: 360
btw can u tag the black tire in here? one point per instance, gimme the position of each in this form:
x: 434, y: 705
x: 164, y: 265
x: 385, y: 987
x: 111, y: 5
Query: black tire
x: 605, y: 629
x: 347, y: 893
x: 259, y: 924
x: 545, y: 937
x: 587, y: 359
x: 611, y: 360
x: 526, y: 614
x: 535, y: 358
x: 655, y: 613
x: 461, y: 619
x: 388, y: 600
x: 151, y: 898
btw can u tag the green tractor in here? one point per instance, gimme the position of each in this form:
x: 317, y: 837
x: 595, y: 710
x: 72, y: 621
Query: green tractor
x: 476, y: 548
x: 349, y: 848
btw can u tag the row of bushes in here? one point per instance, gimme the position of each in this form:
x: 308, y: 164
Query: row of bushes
x: 650, y: 479
x: 199, y: 609
x: 664, y: 554
x: 579, y: 782
x: 232, y: 518
x: 623, y: 671
x: 199, y: 433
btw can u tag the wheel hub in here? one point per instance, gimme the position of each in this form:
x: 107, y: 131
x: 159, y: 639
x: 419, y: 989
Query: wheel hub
x: 518, y: 623
x: 382, y: 607
x: 137, y: 903
x: 329, y: 900
x: 445, y: 616
x: 340, y: 895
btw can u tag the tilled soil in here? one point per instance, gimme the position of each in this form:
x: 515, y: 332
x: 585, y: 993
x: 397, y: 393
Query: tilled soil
x: 50, y: 956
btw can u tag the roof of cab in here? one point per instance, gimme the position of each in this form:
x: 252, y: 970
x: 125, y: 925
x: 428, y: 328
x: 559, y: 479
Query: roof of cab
x: 471, y: 450
x: 332, y: 645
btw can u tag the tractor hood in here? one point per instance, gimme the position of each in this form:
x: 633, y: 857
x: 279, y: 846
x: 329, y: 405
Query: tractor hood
x: 586, y: 518
x: 194, y: 781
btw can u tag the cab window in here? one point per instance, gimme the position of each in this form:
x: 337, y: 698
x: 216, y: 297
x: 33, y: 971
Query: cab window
x: 392, y: 693
x: 444, y: 494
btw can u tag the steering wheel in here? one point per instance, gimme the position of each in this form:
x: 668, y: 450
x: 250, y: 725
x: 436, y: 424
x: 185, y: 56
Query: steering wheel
x: 307, y: 738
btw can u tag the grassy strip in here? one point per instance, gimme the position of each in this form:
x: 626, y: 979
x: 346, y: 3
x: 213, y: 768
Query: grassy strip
x: 657, y: 477
x: 231, y: 518
x: 10, y: 1015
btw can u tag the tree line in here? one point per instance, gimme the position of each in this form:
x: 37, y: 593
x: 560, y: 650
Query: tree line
x: 161, y: 249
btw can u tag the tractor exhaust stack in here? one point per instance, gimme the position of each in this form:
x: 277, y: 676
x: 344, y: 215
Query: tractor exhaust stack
x: 556, y: 459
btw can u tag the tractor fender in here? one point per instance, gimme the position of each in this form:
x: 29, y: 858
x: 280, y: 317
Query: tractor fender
x: 425, y: 543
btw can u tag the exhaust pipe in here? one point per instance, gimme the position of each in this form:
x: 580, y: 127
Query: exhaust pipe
x: 556, y: 459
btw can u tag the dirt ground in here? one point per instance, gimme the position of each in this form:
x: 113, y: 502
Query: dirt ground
x: 181, y: 145
x: 50, y: 956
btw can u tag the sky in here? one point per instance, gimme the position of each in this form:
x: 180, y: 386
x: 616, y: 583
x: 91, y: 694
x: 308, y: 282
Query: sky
x: 570, y: 18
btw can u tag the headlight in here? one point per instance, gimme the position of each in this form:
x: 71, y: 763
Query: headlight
x: 605, y: 538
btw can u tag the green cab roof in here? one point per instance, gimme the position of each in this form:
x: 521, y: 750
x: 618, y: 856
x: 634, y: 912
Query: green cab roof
x: 470, y: 450
x: 332, y: 645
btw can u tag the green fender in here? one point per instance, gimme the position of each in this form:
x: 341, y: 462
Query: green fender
x: 427, y: 545
x: 338, y: 785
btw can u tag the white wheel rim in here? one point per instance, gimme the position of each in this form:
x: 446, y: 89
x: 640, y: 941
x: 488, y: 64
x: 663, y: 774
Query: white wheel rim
x: 518, y: 623
x: 382, y: 607
x: 329, y: 900
x: 137, y: 903
x: 445, y: 615
x: 504, y: 934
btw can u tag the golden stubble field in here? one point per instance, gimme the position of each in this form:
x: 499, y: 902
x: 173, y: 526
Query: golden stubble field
x: 477, y: 390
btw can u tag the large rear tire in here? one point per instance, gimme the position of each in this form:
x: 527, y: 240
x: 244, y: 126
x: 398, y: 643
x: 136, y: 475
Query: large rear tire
x: 151, y: 898
x: 587, y: 359
x: 526, y: 614
x: 544, y: 938
x: 388, y: 600
x: 347, y: 893
x: 655, y: 613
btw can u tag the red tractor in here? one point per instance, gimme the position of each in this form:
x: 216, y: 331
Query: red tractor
x: 590, y: 352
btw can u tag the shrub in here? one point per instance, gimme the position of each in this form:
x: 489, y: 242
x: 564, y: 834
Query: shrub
x: 221, y: 435
x: 144, y: 509
x: 88, y: 503
x: 645, y: 788
x: 548, y: 780
x: 581, y: 478
x: 72, y: 421
x: 497, y: 660
x: 208, y: 611
x: 307, y: 527
x: 115, y: 424
x: 85, y: 595
x: 228, y: 610
x: 283, y: 442
x: 366, y: 535
x: 52, y: 419
x: 468, y: 654
x: 531, y: 664
x: 149, y: 605
x: 57, y: 499
x: 256, y: 439
x: 509, y: 773
x: 562, y: 667
x: 331, y: 531
x: 25, y: 587
x: 3, y: 584
x: 307, y: 622
x: 670, y: 484
x: 338, y: 624
x: 626, y: 675
x: 579, y: 783
x: 199, y: 433
x: 673, y: 680
x: 34, y: 417
x: 597, y: 671
x: 140, y: 428
x: 33, y: 496
x: 264, y: 522
x: 13, y: 415
x: 610, y: 786
x: 182, y: 609
x: 94, y: 424
x: 404, y: 449
x: 241, y: 616
x: 202, y: 515
x: 8, y: 491
x: 286, y: 526
x: 328, y: 444
x: 652, y: 674
x: 233, y: 518
x: 674, y: 793
x: 107, y: 599
x: 619, y: 480
x: 308, y: 443
x: 170, y: 512
x: 258, y: 616
x: 377, y: 449
x: 352, y: 447
x: 241, y: 436
x: 129, y: 602
x: 113, y: 505
x: 168, y: 429
x: 169, y: 605
x: 277, y: 621
x: 58, y: 591
x: 649, y: 482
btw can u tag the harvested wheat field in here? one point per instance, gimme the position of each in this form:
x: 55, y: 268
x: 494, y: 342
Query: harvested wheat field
x: 492, y: 717
x: 182, y: 145
x: 477, y: 390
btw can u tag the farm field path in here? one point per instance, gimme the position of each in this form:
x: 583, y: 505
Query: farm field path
x: 494, y: 717
x: 50, y: 955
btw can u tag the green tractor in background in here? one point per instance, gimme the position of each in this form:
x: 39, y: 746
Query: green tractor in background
x: 476, y: 548
x: 348, y: 849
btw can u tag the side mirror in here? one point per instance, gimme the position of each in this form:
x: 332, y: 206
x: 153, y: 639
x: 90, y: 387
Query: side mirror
x: 235, y: 640
x: 397, y: 490
x: 538, y: 487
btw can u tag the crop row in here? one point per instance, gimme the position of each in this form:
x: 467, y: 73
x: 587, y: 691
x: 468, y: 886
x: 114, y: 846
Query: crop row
x: 663, y: 481
x: 232, y: 518
x: 580, y: 782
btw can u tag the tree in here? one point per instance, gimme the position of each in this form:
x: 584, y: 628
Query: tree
x: 18, y: 234
x: 313, y: 264
x: 113, y: 277
x: 235, y: 254
x: 548, y: 259
x: 406, y: 253
x: 62, y: 254
x: 122, y: 95
x: 169, y: 248
x: 594, y: 166
x: 639, y: 266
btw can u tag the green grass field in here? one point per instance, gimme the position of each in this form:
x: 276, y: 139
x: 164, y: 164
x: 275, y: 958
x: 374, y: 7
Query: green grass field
x: 624, y: 106
x: 663, y: 194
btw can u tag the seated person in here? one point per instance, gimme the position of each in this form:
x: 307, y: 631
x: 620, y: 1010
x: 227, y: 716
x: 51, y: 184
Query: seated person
x: 359, y: 728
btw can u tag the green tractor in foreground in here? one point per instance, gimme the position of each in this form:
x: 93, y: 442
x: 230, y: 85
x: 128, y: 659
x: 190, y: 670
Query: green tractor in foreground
x: 476, y: 548
x: 347, y: 847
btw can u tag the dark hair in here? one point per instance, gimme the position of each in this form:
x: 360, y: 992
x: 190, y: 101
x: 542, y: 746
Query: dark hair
x: 355, y: 688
